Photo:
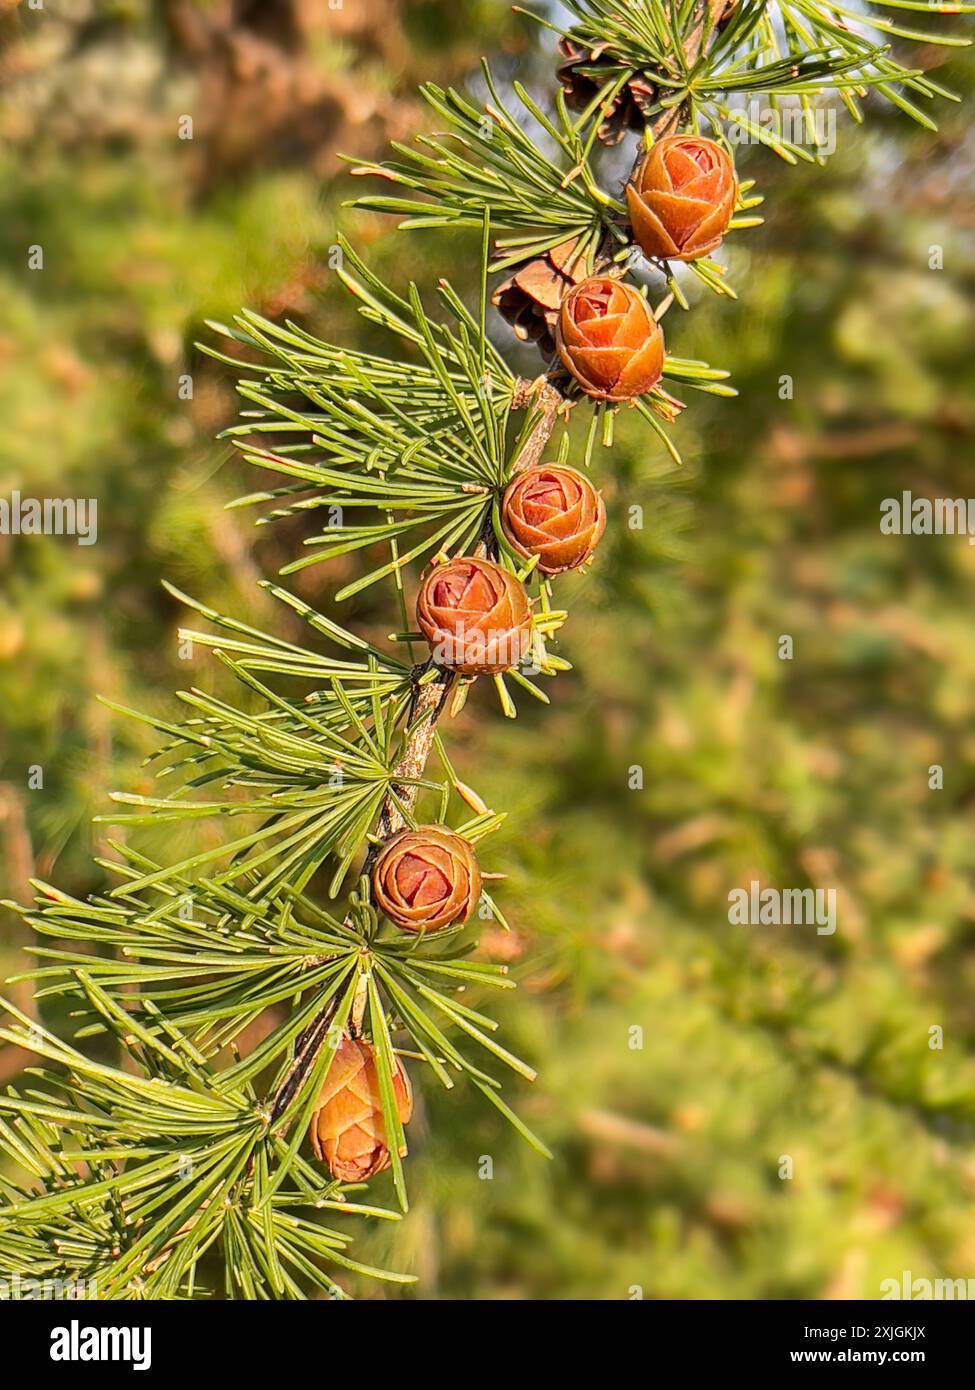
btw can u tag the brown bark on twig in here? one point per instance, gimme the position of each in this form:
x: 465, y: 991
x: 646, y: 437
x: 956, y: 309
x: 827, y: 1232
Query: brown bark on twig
x: 428, y: 706
x: 546, y: 399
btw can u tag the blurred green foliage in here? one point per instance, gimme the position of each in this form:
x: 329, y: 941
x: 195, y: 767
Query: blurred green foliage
x: 757, y: 1042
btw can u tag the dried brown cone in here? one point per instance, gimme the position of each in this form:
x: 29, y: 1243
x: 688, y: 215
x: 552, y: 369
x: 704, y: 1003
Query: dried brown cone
x: 682, y: 198
x: 555, y: 513
x: 475, y: 615
x: 530, y: 299
x: 347, y: 1127
x: 583, y: 74
x: 426, y: 878
x: 609, y: 340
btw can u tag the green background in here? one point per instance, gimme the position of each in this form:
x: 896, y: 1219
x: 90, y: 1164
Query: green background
x: 757, y: 1042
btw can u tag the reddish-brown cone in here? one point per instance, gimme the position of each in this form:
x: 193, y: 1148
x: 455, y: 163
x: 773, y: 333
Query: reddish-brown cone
x: 530, y: 299
x: 584, y: 73
x: 609, y: 340
x: 555, y: 513
x: 426, y: 878
x: 475, y: 616
x: 347, y: 1128
x: 682, y: 198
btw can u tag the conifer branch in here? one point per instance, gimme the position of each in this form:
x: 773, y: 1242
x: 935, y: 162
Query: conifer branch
x: 433, y: 463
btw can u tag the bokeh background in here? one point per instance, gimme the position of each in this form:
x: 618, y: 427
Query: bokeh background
x: 757, y: 1042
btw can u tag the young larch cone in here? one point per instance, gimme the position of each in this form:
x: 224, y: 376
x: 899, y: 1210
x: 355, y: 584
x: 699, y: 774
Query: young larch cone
x: 609, y: 340
x: 426, y: 878
x: 682, y: 198
x: 555, y: 513
x: 475, y: 615
x: 530, y: 299
x: 585, y: 72
x: 347, y: 1128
